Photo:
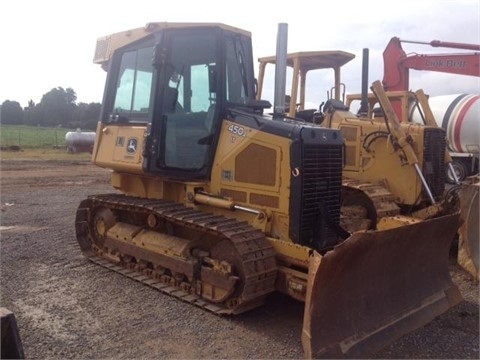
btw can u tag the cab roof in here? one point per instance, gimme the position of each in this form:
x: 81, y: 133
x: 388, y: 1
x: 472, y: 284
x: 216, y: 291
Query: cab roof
x: 106, y: 45
x: 313, y: 60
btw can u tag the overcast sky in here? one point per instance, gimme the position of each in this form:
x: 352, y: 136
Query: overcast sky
x: 50, y: 43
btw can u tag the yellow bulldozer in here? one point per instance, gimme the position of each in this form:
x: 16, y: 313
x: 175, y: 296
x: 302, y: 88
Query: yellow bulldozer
x: 220, y: 204
x: 468, y: 241
x: 406, y: 158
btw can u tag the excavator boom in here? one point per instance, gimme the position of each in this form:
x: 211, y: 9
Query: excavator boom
x: 397, y: 63
x: 446, y: 44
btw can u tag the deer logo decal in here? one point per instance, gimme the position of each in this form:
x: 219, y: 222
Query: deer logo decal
x: 131, y: 146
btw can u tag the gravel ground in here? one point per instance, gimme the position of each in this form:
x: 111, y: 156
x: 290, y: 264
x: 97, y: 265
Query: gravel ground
x: 68, y: 307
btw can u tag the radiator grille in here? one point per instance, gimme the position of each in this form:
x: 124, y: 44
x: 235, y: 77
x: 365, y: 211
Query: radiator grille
x: 434, y: 160
x: 321, y: 186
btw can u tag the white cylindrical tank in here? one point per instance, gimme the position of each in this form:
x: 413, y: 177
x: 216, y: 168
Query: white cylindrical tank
x: 459, y: 115
x: 80, y: 141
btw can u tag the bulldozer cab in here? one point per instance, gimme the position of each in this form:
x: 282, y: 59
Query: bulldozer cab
x: 404, y: 99
x: 177, y: 82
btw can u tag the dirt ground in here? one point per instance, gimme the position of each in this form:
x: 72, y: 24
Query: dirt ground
x: 69, y: 308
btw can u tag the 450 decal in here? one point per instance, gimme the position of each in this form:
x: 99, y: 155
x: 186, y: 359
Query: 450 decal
x: 237, y: 130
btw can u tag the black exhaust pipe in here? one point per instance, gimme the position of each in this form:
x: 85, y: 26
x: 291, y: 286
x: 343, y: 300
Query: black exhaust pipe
x: 363, y: 111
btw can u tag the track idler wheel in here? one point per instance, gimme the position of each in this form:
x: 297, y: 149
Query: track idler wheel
x: 222, y: 273
x: 103, y: 220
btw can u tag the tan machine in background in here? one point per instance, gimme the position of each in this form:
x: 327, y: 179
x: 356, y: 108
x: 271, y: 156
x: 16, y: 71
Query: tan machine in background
x: 221, y: 204
x: 388, y: 152
x: 390, y: 168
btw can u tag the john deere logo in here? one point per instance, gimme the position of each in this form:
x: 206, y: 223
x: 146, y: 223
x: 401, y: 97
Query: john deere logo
x: 132, y: 146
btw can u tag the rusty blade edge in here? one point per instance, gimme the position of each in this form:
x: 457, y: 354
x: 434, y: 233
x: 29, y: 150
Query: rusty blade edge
x: 406, y: 261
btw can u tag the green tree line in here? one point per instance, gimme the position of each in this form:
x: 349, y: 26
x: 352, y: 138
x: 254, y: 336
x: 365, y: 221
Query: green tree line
x: 58, y: 107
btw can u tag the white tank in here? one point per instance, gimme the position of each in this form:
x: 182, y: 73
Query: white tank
x: 80, y: 141
x: 459, y: 115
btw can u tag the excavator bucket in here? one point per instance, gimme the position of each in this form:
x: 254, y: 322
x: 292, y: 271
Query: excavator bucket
x: 377, y: 286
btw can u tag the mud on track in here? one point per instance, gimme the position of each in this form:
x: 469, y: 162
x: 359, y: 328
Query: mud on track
x: 68, y: 307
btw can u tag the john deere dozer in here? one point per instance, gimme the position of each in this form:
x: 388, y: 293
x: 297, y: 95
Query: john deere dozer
x: 221, y: 204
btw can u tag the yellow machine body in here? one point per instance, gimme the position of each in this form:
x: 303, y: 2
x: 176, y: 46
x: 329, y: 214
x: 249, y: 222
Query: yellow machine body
x: 374, y: 158
x: 220, y: 205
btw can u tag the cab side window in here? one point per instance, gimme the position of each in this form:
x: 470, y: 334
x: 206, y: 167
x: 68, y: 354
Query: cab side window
x: 134, y: 83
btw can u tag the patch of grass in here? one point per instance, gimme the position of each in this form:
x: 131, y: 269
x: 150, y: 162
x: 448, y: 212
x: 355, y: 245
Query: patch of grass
x: 24, y: 136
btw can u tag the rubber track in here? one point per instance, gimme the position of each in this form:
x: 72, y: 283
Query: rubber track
x: 255, y: 250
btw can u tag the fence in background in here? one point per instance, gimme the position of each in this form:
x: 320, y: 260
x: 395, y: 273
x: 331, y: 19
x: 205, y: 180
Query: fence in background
x: 32, y: 136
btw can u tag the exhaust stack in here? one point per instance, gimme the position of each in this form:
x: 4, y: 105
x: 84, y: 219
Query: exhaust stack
x: 280, y: 70
x: 363, y: 111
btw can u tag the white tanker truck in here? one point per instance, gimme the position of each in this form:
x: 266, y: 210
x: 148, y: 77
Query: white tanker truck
x: 459, y: 115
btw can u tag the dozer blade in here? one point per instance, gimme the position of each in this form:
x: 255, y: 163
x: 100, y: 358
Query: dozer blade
x: 469, y: 241
x: 377, y: 286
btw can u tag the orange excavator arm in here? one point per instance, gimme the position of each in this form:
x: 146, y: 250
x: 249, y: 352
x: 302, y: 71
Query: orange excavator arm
x: 397, y: 63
